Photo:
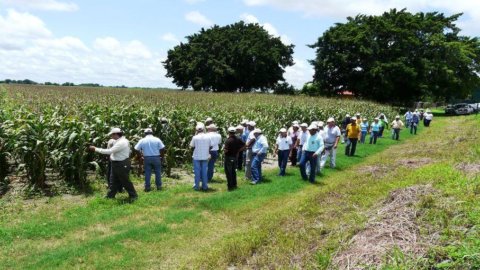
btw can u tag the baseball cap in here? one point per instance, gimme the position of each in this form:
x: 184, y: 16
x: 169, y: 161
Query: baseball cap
x: 304, y: 125
x: 209, y: 119
x: 148, y: 130
x: 252, y: 123
x: 329, y: 120
x: 312, y: 127
x: 232, y: 129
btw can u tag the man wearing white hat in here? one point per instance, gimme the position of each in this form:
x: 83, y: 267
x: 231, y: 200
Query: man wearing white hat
x: 152, y: 150
x: 233, y: 147
x: 120, y: 158
x: 202, y: 144
x: 312, y: 149
x: 283, y: 146
x: 259, y: 152
x: 397, y: 125
x: 216, y: 141
x: 302, y: 137
x: 208, y: 121
x: 375, y: 130
x: 332, y: 137
x: 249, y: 154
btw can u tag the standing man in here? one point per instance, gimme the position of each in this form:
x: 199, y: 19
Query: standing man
x: 397, y: 125
x: 364, y: 129
x: 332, y: 137
x: 153, y: 151
x: 374, y: 130
x: 415, y: 120
x: 408, y: 118
x: 345, y: 123
x: 283, y: 146
x: 233, y: 147
x: 216, y: 140
x: 302, y: 137
x: 312, y: 148
x: 208, y: 121
x: 383, y: 124
x: 243, y: 134
x: 120, y: 158
x: 294, y: 137
x: 427, y: 118
x: 202, y: 144
x: 353, y: 131
x: 259, y: 152
x: 249, y: 154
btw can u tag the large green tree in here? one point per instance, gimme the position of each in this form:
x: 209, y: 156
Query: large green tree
x: 235, y: 57
x: 397, y: 57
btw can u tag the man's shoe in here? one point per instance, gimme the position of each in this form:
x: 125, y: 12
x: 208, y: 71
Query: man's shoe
x: 132, y: 199
x: 253, y: 183
x: 159, y: 188
x: 147, y: 189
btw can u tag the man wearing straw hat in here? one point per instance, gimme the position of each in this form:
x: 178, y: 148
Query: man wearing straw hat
x: 120, y: 158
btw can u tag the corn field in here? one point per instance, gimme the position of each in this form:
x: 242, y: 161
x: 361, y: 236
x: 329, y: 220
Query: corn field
x: 45, y: 130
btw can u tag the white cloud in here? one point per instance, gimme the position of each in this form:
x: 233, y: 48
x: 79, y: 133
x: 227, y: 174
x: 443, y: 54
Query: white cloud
x: 51, y: 5
x: 33, y: 52
x: 340, y: 9
x: 298, y: 74
x: 249, y: 18
x: 170, y: 37
x: 192, y: 2
x: 198, y: 18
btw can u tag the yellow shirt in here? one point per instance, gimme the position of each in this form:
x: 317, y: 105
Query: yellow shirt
x: 353, y: 131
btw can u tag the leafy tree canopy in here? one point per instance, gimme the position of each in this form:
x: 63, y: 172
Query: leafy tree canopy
x: 397, y: 57
x: 235, y: 57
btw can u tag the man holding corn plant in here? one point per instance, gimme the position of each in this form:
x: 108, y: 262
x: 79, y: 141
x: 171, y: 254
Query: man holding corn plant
x: 153, y: 151
x: 120, y: 158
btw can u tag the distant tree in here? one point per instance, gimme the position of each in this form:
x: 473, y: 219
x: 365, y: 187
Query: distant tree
x: 396, y: 57
x: 235, y: 57
x: 284, y: 88
x: 68, y: 84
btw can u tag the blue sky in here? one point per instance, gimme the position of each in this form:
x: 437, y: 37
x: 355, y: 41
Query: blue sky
x: 123, y: 42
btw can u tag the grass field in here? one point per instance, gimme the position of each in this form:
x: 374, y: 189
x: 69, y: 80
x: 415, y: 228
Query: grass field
x: 283, y: 223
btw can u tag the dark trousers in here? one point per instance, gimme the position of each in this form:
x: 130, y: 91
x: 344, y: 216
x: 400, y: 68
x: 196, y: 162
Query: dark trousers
x: 426, y: 122
x: 229, y: 165
x: 396, y: 134
x: 413, y: 128
x: 380, y: 133
x: 240, y: 159
x: 308, y: 157
x: 293, y: 157
x: 351, y: 146
x: 282, y: 161
x: 373, y: 137
x: 120, y: 177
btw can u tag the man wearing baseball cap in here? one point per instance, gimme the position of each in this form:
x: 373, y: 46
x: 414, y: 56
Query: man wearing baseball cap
x: 283, y: 146
x: 201, y: 153
x: 216, y: 141
x: 332, y: 138
x: 233, y: 147
x: 312, y: 149
x: 120, y: 158
x: 152, y: 150
x: 250, y: 141
x: 259, y: 152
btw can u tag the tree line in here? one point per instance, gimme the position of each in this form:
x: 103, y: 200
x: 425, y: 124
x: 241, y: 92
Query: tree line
x: 396, y: 57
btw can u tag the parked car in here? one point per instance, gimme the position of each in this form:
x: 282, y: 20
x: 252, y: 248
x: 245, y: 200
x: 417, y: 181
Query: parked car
x: 449, y: 109
x: 475, y: 107
x: 462, y: 109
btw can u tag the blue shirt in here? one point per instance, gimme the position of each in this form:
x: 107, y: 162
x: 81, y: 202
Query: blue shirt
x: 364, y: 126
x: 260, y: 146
x: 314, y: 143
x: 150, y: 146
x: 376, y: 126
x: 245, y: 134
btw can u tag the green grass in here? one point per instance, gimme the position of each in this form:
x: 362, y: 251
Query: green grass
x: 282, y: 223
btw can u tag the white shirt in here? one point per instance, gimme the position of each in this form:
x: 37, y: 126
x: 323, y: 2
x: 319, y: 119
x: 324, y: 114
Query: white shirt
x: 284, y: 143
x: 119, y: 151
x: 332, y: 134
x: 260, y: 146
x: 322, y: 134
x: 428, y: 116
x: 201, y: 143
x: 251, y: 137
x: 216, y: 140
x: 303, y: 137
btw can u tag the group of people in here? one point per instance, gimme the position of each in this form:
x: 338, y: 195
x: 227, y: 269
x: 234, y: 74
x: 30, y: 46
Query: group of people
x: 246, y: 148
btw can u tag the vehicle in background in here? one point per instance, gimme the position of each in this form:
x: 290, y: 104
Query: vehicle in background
x: 475, y: 107
x: 460, y: 109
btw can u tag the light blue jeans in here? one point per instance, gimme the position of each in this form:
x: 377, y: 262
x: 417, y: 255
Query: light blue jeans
x: 200, y: 171
x: 257, y: 167
x: 154, y: 163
